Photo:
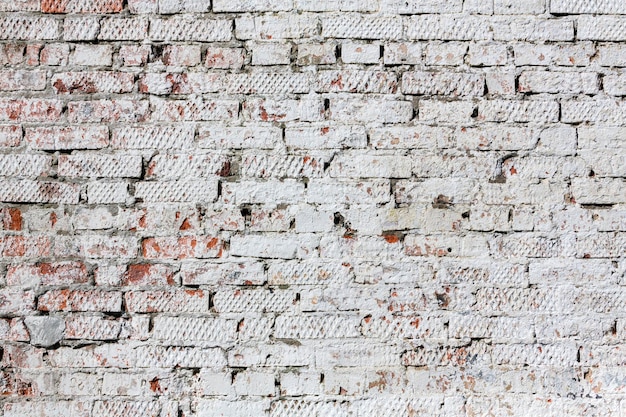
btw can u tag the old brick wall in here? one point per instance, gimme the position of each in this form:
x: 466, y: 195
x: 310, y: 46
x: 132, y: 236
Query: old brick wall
x: 312, y: 208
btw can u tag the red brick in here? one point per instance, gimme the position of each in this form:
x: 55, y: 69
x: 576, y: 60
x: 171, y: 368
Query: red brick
x: 11, y: 218
x: 10, y: 136
x: 181, y: 248
x: 82, y: 6
x: 58, y: 273
x: 24, y: 246
x: 30, y: 110
x: 148, y: 275
x: 93, y: 82
x: 80, y: 300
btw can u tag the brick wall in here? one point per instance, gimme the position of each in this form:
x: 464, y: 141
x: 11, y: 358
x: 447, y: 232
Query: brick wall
x: 312, y: 208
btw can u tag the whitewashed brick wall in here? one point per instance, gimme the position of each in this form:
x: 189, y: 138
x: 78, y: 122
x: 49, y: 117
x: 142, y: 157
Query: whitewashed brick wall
x: 324, y: 208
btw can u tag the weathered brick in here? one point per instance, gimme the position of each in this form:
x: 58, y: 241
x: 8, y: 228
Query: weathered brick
x: 47, y: 274
x: 601, y: 28
x: 14, y: 27
x: 277, y: 26
x: 193, y: 110
x: 98, y: 111
x: 170, y: 301
x: 81, y: 6
x: 181, y: 248
x: 30, y: 110
x: 449, y: 84
x: 182, y: 28
x: 356, y: 82
x: 555, y: 82
x: 94, y: 82
x: 80, y: 300
x: 88, y: 165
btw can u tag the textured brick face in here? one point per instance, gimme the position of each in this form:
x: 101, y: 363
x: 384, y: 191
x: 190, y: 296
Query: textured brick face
x: 319, y: 208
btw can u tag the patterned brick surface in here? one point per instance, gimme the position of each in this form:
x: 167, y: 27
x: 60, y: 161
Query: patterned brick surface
x: 287, y: 208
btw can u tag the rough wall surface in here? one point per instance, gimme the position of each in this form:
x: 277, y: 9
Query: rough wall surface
x: 312, y: 208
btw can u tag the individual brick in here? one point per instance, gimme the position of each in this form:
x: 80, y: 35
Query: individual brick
x: 519, y: 7
x: 80, y: 300
x: 487, y: 54
x: 21, y: 166
x: 183, y: 357
x: 177, y: 191
x: 224, y: 58
x: 47, y: 274
x: 186, y: 83
x: 186, y: 330
x: 607, y: 111
x: 558, y: 82
x: 361, y: 192
x: 445, y: 53
x: 451, y: 112
x: 600, y: 191
x: 360, y: 53
x: 325, y: 137
x: 363, y: 110
x: 127, y: 28
x: 356, y: 81
x: 235, y: 137
x: 90, y: 165
x: 268, y: 83
x: 108, y: 193
x: 134, y: 56
x: 178, y: 6
x: 16, y: 301
x: 193, y: 110
x: 601, y: 28
x: 91, y: 328
x: 427, y: 27
x: 532, y: 29
x: 74, y: 137
x: 271, y: 54
x: 276, y: 27
x: 181, y: 248
x: 283, y: 110
x: 81, y: 6
x: 22, y: 27
x: 92, y: 55
x: 280, y: 246
x: 350, y: 25
x: 81, y: 28
x: 28, y: 191
x: 409, y: 53
x: 615, y: 85
x: 170, y: 301
x: 263, y: 165
x: 449, y: 84
x: 252, y: 6
x: 182, y: 28
x: 10, y: 136
x: 587, y: 7
x: 261, y: 300
x: 518, y: 111
x: 29, y: 110
x: 97, y: 111
x: 611, y: 55
x: 316, y: 54
x: 316, y: 327
x: 370, y: 166
x: 93, y: 82
x: 22, y: 80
